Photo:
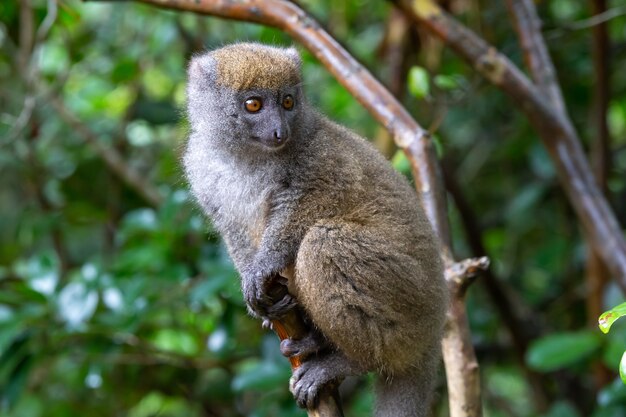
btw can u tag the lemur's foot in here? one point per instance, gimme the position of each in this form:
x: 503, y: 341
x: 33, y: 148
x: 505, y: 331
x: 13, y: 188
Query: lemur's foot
x: 314, y: 374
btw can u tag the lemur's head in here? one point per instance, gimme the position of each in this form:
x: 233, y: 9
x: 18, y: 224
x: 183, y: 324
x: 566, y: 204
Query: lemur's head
x: 250, y: 93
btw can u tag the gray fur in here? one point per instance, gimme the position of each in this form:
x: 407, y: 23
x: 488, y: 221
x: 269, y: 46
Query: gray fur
x: 367, y: 265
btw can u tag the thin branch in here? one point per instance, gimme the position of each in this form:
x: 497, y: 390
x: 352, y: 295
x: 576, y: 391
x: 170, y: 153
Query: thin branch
x: 597, y: 19
x: 110, y: 156
x: 26, y: 34
x: 554, y: 128
x: 538, y: 61
x: 48, y: 21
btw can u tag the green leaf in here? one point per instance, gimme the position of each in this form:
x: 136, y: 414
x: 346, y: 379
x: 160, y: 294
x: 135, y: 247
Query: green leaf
x: 561, y: 350
x: 607, y: 318
x: 622, y: 368
x: 126, y: 69
x: 446, y: 82
x: 156, y: 403
x: 401, y: 163
x: 177, y: 341
x: 9, y: 331
x: 418, y: 82
x: 17, y: 381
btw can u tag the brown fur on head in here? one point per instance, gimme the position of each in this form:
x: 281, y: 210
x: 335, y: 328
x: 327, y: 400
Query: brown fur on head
x: 245, y: 66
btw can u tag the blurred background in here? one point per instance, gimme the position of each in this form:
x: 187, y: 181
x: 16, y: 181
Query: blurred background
x: 118, y: 299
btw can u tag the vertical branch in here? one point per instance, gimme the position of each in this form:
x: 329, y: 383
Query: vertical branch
x: 26, y: 34
x: 536, y: 53
x: 597, y: 273
x: 460, y: 372
x: 459, y: 358
x: 600, y: 159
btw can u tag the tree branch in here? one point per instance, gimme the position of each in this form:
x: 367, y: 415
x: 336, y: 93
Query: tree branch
x: 538, y: 61
x: 597, y: 273
x: 554, y: 128
x: 462, y: 371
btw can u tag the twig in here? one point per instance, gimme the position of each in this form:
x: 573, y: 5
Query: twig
x: 555, y: 129
x: 596, y: 20
x: 48, y: 21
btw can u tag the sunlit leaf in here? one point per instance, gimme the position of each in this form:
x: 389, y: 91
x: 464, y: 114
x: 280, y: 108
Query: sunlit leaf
x: 41, y: 272
x: 418, y: 82
x: 77, y: 303
x: 177, y: 341
x: 218, y: 340
x: 607, y: 318
x: 157, y: 404
x: 401, y: 163
x: 157, y: 83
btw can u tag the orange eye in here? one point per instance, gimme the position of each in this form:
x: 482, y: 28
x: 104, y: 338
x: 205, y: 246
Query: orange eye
x: 288, y: 102
x: 253, y: 104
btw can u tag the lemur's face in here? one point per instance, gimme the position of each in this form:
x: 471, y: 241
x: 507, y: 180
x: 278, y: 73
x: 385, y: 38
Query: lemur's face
x: 251, y: 92
x: 267, y: 116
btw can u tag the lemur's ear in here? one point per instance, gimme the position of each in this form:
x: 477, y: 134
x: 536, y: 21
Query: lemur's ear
x: 294, y: 55
x: 203, y: 67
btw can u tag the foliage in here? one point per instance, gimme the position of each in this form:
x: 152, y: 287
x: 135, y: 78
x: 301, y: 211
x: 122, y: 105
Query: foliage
x: 112, y: 303
x: 605, y: 322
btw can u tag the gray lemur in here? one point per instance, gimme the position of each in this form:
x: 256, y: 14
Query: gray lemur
x: 287, y: 188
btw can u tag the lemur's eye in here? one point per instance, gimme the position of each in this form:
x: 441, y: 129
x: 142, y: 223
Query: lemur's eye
x: 288, y: 102
x: 253, y: 104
